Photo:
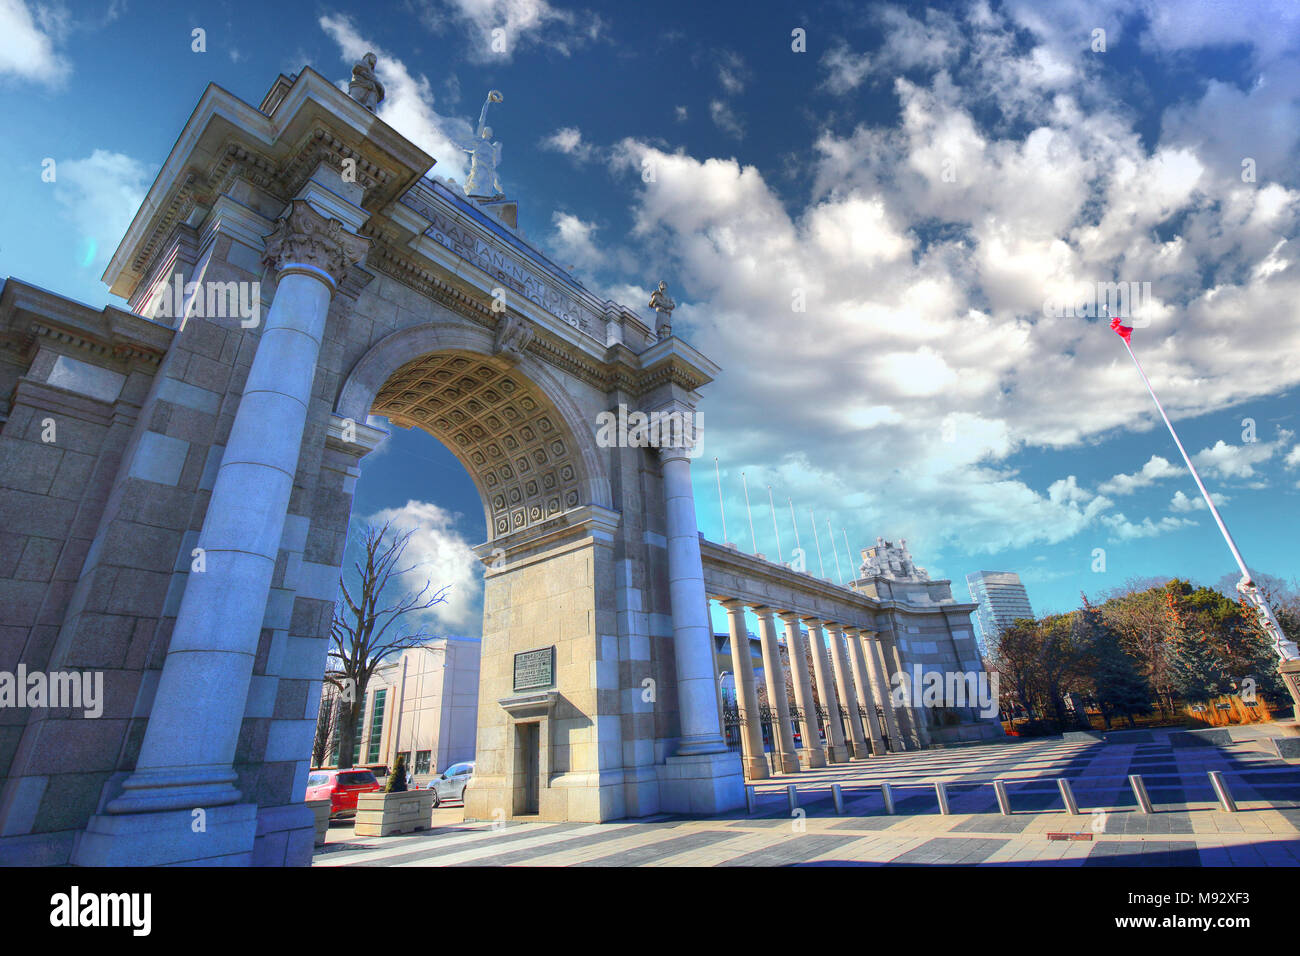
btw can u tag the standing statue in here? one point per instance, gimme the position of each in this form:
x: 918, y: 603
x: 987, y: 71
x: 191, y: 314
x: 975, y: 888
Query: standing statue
x: 663, y: 306
x: 485, y: 156
x: 364, y: 88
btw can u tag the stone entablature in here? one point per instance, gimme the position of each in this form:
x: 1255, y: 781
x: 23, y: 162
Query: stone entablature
x: 732, y: 573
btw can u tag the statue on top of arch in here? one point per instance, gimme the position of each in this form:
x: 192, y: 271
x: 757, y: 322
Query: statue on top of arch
x: 364, y: 87
x: 485, y: 156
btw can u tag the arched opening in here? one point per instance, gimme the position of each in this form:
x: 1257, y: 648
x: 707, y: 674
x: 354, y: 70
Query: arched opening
x: 531, y: 459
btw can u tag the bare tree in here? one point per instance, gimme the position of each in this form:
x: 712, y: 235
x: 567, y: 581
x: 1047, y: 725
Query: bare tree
x: 359, y: 633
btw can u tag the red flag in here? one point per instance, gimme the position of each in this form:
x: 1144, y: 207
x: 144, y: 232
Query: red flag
x: 1123, y: 331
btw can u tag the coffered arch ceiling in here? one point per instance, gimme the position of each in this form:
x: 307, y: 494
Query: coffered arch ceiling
x: 507, y: 433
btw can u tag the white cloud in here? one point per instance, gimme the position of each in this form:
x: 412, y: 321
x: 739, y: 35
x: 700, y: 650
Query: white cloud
x: 1292, y: 459
x: 100, y: 195
x: 1235, y: 461
x: 1125, y: 530
x: 27, y: 41
x: 408, y: 101
x: 725, y: 118
x: 438, y: 554
x: 680, y: 113
x: 924, y: 293
x: 568, y: 140
x: 1157, y: 469
x: 497, y: 29
x: 573, y: 241
x: 732, y: 72
x: 1182, y: 503
x: 845, y: 70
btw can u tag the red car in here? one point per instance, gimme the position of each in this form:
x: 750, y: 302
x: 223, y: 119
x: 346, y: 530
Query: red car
x: 340, y: 788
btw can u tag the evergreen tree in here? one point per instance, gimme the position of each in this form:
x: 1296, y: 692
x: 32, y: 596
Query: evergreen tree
x: 396, y: 782
x: 1198, y: 673
x: 1119, y: 687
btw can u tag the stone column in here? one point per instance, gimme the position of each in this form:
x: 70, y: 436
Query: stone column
x: 703, y: 776
x: 811, y: 755
x: 774, y: 677
x: 189, y: 747
x: 751, y: 733
x: 697, y: 689
x: 844, y: 681
x: 863, y: 681
x: 880, y: 679
x: 838, y: 752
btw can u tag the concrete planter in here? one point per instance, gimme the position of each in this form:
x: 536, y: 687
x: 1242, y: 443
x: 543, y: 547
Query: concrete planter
x: 382, y: 814
x: 321, y: 809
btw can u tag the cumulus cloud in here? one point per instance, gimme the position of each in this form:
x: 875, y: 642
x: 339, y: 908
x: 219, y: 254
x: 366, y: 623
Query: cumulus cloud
x: 28, y: 37
x: 1238, y: 461
x: 100, y: 194
x: 1183, y: 503
x: 408, y: 100
x: 1157, y: 469
x: 497, y: 29
x: 568, y: 140
x: 573, y: 241
x: 437, y: 553
x: 894, y: 321
x: 1125, y: 530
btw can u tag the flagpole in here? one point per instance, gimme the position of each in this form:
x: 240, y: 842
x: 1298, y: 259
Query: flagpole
x: 721, y: 509
x: 752, y: 539
x: 771, y: 504
x: 818, y: 538
x: 1284, y: 648
x: 839, y: 577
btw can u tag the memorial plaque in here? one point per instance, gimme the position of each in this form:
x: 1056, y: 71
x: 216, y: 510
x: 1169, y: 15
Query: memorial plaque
x: 535, y: 669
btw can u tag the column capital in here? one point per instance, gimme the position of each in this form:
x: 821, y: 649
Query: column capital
x: 834, y: 627
x: 304, y: 238
x: 790, y: 617
x: 762, y: 610
x: 812, y: 622
x: 733, y: 605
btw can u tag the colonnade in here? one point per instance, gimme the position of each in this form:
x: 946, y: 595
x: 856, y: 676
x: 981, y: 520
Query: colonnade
x: 851, y: 668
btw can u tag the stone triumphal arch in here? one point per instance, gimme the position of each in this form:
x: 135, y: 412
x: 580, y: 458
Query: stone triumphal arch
x: 177, y: 483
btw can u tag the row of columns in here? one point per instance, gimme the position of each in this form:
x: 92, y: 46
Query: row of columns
x: 853, y: 680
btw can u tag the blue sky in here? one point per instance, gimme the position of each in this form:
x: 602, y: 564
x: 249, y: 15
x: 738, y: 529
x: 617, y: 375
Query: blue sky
x: 923, y: 178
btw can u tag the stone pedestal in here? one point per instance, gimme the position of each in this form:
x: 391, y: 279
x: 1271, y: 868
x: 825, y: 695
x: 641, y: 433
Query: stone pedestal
x: 701, y: 783
x: 214, y: 836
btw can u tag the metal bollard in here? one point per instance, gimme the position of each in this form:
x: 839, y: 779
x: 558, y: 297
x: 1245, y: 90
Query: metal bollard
x: 1140, y: 791
x: 1221, y: 790
x: 749, y: 799
x: 941, y: 791
x: 1004, y: 802
x: 838, y: 796
x: 1067, y: 795
x: 792, y: 797
x: 888, y: 794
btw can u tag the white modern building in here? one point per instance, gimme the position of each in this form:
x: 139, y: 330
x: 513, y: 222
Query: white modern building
x: 422, y: 705
x: 1002, y: 600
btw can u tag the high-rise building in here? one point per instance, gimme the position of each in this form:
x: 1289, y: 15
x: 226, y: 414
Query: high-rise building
x: 1002, y: 599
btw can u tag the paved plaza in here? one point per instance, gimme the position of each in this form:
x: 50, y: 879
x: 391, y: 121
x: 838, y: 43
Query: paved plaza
x: 1186, y: 829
